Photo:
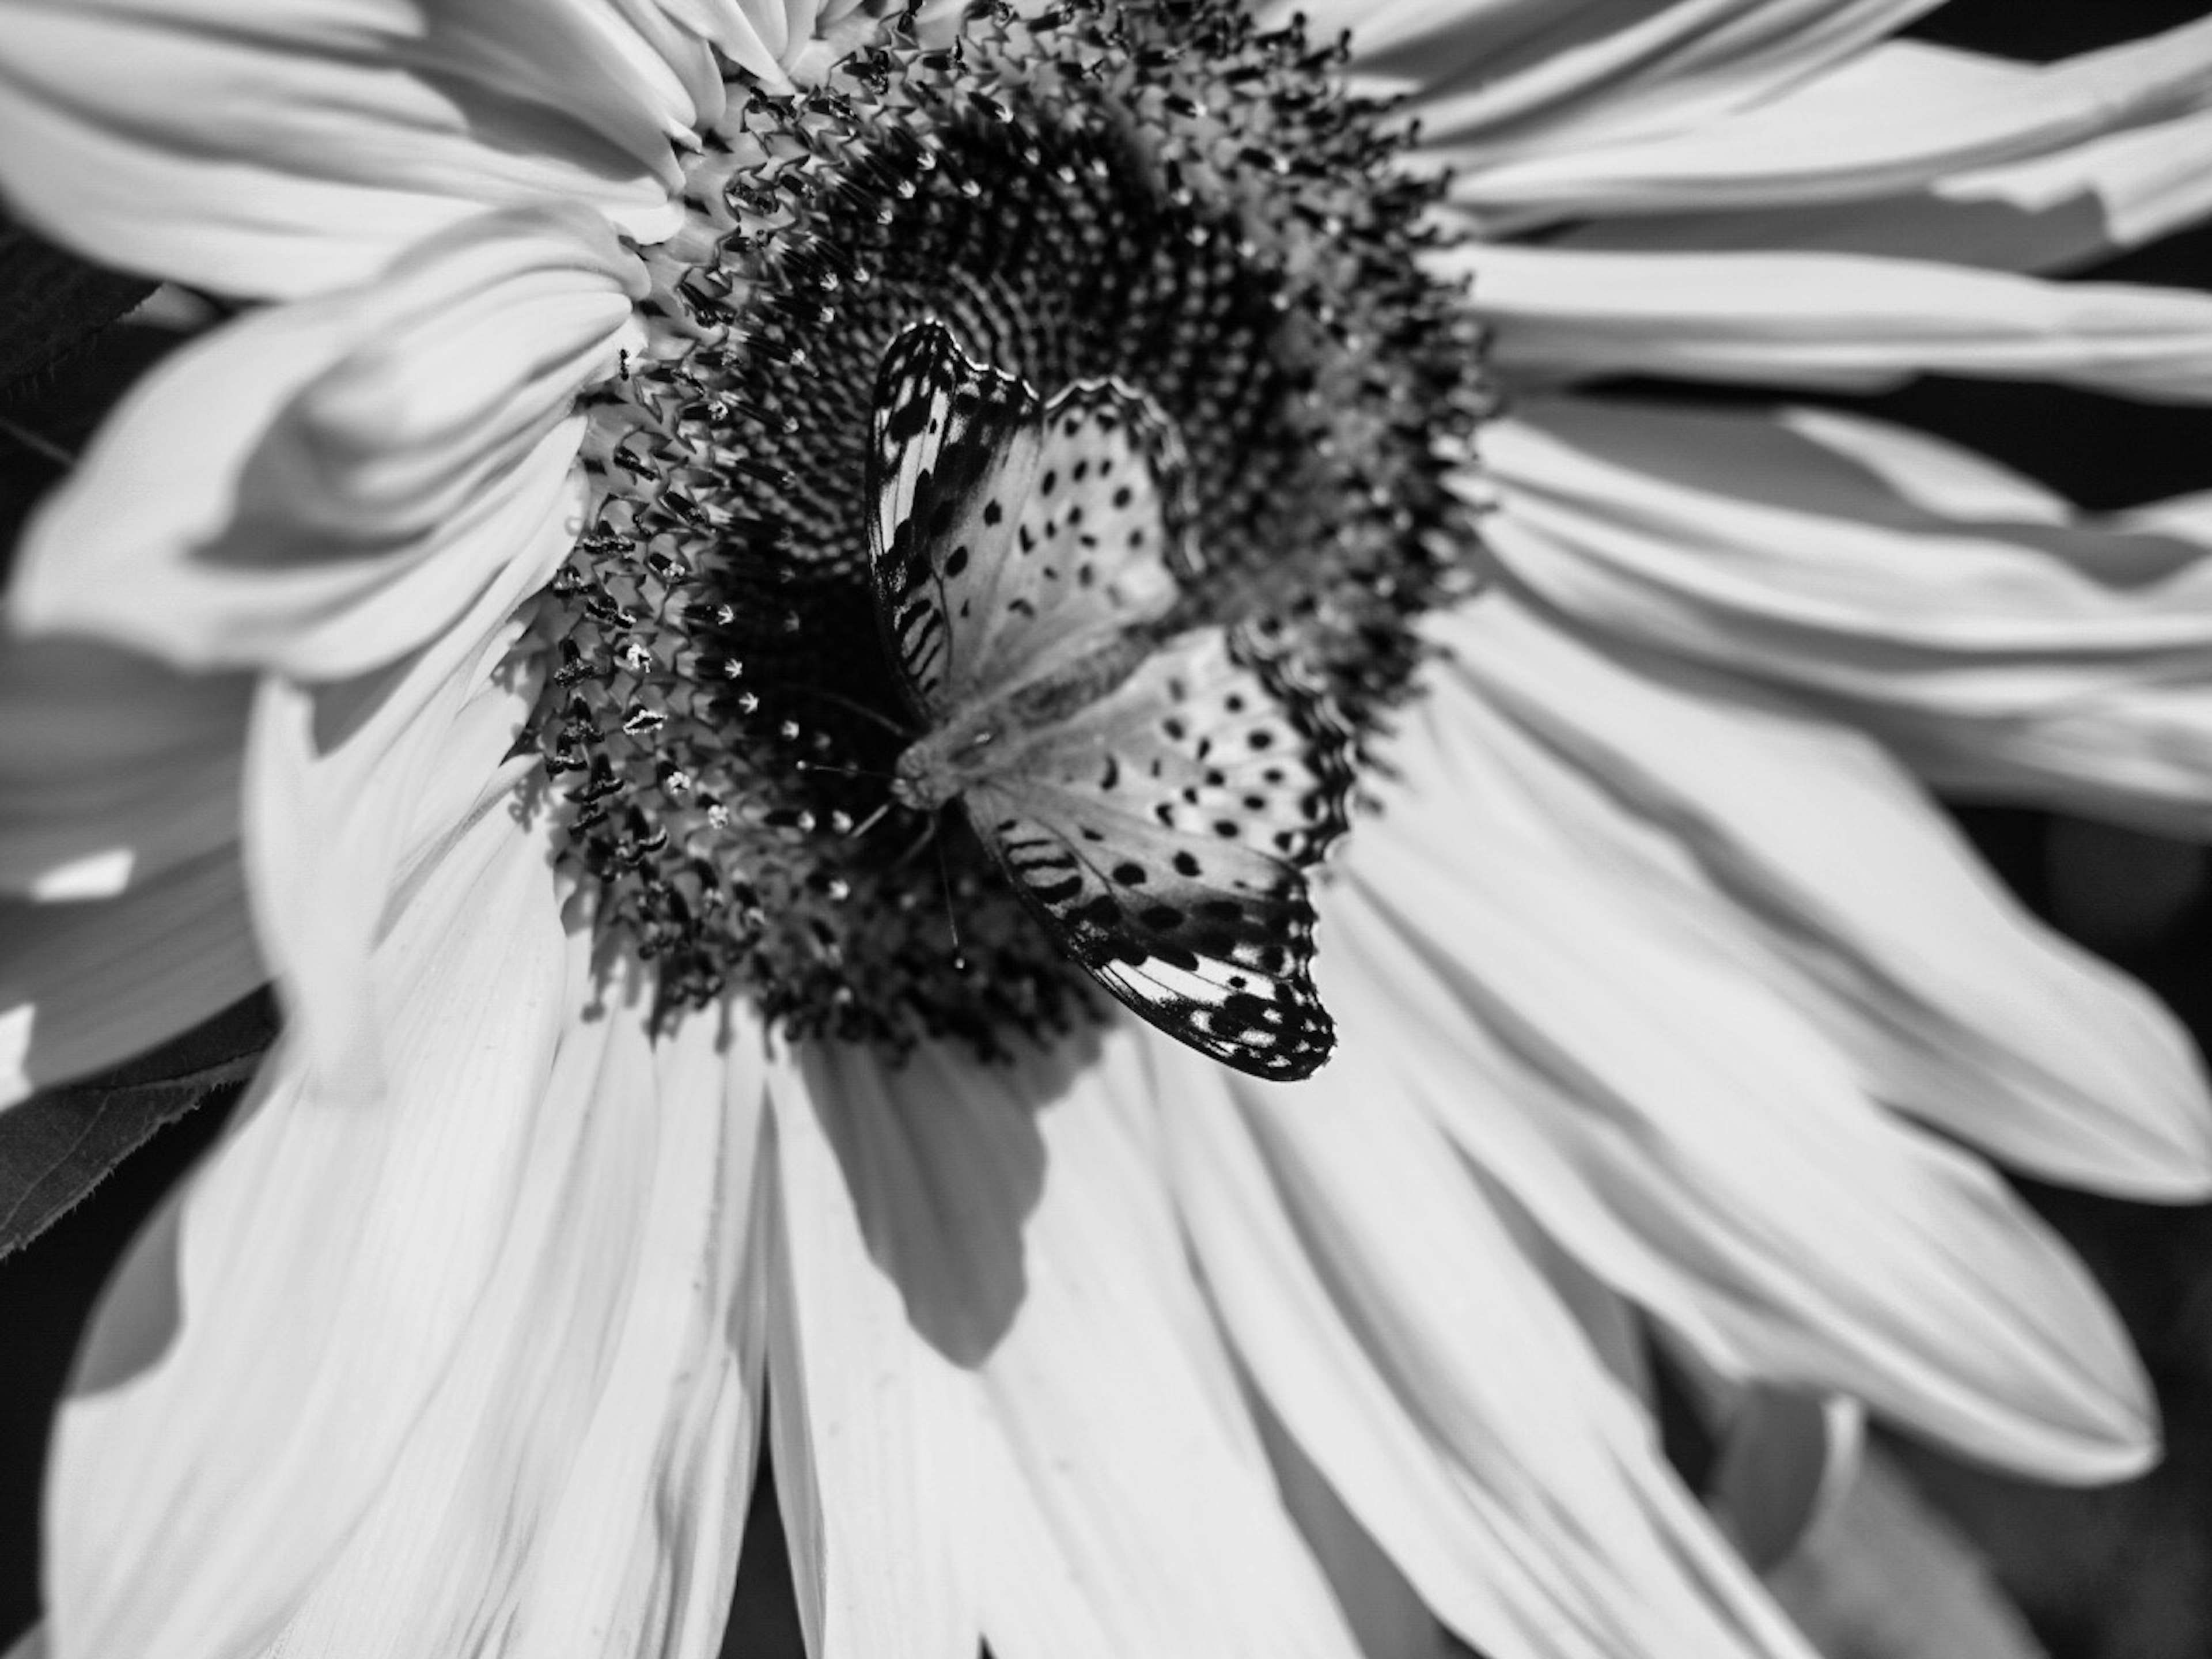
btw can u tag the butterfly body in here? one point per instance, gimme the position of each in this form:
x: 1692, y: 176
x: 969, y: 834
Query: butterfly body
x: 1150, y: 782
x: 999, y: 739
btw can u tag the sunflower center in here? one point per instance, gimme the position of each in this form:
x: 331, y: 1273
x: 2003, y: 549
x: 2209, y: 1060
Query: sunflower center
x: 1149, y: 271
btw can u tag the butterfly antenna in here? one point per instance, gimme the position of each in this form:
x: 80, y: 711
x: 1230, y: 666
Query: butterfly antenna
x: 859, y: 708
x: 846, y: 771
x: 952, y: 915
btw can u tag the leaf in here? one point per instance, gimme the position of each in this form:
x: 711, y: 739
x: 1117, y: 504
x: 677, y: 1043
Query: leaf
x: 50, y: 300
x: 55, y: 1147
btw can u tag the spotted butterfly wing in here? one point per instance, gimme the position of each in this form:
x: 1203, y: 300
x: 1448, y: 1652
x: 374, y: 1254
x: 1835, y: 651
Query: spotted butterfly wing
x: 1008, y: 537
x: 1162, y: 828
x: 1153, y: 795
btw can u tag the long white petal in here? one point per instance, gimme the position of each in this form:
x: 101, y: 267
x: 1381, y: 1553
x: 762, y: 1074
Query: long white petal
x: 1828, y: 319
x: 1113, y: 1391
x: 1711, y: 1156
x: 2053, y: 212
x: 1498, y: 78
x: 1975, y: 621
x: 313, y: 1287
x: 873, y: 1422
x: 281, y: 150
x: 577, y: 1483
x: 324, y: 486
x: 1431, y: 1376
x: 1963, y: 1008
x: 1945, y: 112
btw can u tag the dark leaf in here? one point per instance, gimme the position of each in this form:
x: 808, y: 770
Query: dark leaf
x: 57, y: 1146
x: 50, y: 301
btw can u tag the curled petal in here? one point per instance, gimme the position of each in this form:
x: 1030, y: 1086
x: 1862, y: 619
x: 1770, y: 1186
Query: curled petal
x: 282, y: 150
x: 324, y: 486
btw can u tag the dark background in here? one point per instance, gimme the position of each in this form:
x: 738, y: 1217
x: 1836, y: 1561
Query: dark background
x: 2123, y: 1572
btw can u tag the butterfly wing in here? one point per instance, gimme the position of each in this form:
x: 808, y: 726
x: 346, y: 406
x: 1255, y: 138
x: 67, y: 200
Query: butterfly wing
x: 1009, y: 536
x: 1163, y: 829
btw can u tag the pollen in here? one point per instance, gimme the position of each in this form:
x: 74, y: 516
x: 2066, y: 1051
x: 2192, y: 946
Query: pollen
x: 1161, y: 197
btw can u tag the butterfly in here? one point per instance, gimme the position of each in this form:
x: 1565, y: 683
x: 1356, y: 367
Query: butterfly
x: 1153, y: 785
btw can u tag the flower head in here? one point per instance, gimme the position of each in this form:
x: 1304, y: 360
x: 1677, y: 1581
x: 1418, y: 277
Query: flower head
x: 749, y: 561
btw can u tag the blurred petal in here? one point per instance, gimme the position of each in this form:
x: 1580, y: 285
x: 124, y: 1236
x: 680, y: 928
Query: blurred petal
x: 325, y: 486
x: 113, y: 768
x: 578, y: 1480
x: 1889, y: 1576
x: 1432, y: 1378
x: 1946, y: 113
x: 1963, y: 1008
x: 1786, y: 1460
x: 1977, y: 622
x: 275, y: 150
x: 85, y: 986
x: 1711, y: 1156
x: 318, y: 1280
x: 1828, y: 319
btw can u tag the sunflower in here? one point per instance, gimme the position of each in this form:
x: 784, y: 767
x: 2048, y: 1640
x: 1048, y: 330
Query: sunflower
x: 610, y: 626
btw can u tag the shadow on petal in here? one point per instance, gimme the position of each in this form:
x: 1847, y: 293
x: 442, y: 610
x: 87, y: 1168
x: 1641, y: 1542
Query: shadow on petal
x: 944, y: 1163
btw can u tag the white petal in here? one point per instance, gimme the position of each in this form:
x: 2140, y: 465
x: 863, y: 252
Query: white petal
x: 326, y: 1266
x: 1670, y: 1118
x: 85, y: 986
x: 1960, y: 1006
x: 578, y: 1481
x: 1110, y: 1495
x: 1829, y: 320
x: 1431, y: 1376
x: 283, y: 150
x: 1945, y: 112
x: 325, y: 485
x: 1974, y: 620
x: 352, y: 784
x: 1113, y: 1393
x: 873, y: 1423
x: 109, y: 760
x: 1497, y: 78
